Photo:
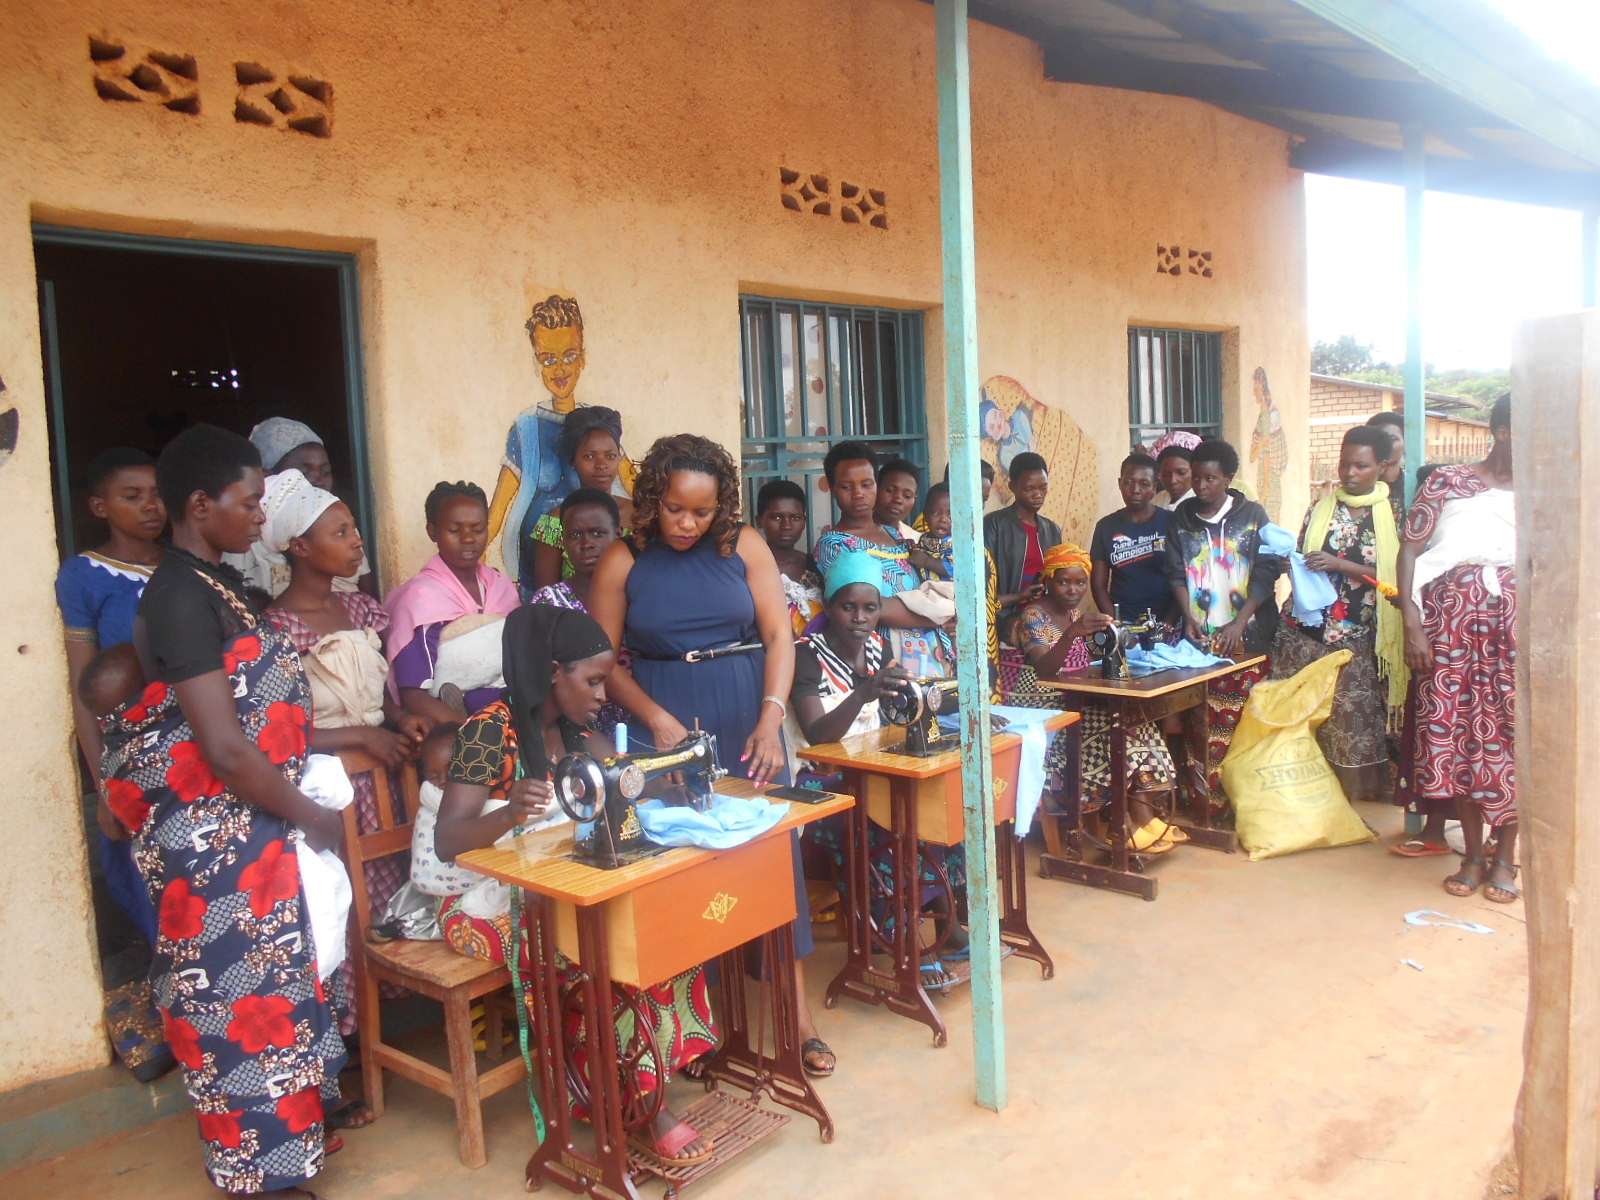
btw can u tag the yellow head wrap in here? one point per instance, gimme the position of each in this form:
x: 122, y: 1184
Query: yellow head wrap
x: 1063, y: 556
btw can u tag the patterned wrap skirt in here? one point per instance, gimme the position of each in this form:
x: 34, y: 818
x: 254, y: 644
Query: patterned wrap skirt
x: 234, y: 970
x: 679, y: 1009
x: 1462, y: 716
x: 1355, y: 738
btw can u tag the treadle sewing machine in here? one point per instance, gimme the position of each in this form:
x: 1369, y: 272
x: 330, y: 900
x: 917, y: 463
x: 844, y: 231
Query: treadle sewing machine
x: 917, y: 706
x: 1111, y: 645
x: 605, y: 793
x: 640, y: 925
x: 917, y: 804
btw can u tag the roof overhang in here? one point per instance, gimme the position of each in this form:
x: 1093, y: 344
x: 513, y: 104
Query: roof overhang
x: 1347, y: 79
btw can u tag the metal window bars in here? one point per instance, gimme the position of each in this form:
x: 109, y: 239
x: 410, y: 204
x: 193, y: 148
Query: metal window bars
x: 816, y: 374
x: 1174, y: 382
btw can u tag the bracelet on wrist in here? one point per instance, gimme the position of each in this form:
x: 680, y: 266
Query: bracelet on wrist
x: 783, y: 709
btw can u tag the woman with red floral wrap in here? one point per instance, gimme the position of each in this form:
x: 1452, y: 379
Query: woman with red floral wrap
x: 202, y: 766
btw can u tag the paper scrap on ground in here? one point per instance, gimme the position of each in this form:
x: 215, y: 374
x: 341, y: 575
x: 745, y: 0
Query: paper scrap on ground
x: 1429, y: 916
x: 1412, y: 963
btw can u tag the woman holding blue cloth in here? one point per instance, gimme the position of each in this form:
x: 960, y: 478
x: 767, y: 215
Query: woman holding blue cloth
x: 1351, y: 538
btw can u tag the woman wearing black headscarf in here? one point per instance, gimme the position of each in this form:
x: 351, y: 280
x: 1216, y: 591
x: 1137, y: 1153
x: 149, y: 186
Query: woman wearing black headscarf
x: 557, y: 661
x: 591, y: 444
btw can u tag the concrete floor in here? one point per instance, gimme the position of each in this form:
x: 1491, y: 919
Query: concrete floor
x: 1252, y: 1033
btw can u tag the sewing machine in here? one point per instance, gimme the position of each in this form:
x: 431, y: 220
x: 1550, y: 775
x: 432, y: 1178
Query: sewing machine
x: 604, y: 792
x: 1111, y: 645
x: 917, y: 706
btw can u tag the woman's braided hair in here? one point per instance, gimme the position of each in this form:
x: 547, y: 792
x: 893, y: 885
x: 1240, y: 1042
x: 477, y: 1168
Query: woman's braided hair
x: 449, y: 491
x: 686, y: 452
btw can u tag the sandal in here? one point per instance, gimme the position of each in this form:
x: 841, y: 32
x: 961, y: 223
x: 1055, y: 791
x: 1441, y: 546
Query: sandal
x: 812, y: 1047
x: 1503, y: 893
x: 1172, y: 833
x: 1147, y: 840
x: 1418, y: 848
x: 935, y: 978
x: 666, y: 1150
x: 352, y: 1114
x: 1459, y: 885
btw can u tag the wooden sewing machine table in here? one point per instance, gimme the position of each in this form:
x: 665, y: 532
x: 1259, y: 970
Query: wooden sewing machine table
x: 1180, y: 691
x: 641, y: 924
x: 918, y: 800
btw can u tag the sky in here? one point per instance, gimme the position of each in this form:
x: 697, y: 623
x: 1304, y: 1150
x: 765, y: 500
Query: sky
x: 1486, y: 264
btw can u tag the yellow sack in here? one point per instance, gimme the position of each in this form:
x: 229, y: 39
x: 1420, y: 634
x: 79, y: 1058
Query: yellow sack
x: 1285, y: 796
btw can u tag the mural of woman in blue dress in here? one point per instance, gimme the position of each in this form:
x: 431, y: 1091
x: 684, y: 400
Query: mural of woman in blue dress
x: 534, y: 475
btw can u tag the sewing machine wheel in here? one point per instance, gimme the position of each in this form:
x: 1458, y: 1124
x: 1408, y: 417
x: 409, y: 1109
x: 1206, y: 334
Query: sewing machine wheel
x: 580, y: 787
x: 1162, y: 801
x: 931, y: 878
x: 638, y: 1055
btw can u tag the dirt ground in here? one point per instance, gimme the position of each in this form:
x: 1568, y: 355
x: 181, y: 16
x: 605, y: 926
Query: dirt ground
x: 1262, y: 1030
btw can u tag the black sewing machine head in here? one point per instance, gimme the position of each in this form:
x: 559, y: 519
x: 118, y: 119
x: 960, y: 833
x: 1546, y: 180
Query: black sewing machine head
x: 1111, y: 645
x: 606, y: 791
x: 918, y: 706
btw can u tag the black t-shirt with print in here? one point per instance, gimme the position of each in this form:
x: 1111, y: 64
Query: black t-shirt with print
x: 1135, y: 552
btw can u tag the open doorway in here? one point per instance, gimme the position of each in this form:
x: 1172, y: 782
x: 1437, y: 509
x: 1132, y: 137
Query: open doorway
x: 145, y: 336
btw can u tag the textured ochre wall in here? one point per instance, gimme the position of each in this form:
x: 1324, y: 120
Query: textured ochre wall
x: 483, y: 154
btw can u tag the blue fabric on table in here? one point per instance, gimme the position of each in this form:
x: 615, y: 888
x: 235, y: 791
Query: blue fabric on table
x: 730, y: 821
x: 1028, y: 724
x: 1313, y: 590
x: 1162, y: 657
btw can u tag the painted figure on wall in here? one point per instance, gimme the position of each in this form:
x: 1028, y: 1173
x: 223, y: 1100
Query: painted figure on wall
x: 534, y: 475
x: 1269, y: 447
x: 1012, y: 422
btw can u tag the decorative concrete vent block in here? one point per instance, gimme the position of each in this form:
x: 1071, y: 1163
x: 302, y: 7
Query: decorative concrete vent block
x: 287, y: 101
x: 1200, y: 263
x: 1169, y: 260
x: 856, y: 204
x: 129, y: 75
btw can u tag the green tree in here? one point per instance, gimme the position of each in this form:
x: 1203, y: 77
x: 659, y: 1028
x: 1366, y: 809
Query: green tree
x: 1340, y: 357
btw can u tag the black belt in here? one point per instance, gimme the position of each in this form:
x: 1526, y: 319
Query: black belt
x: 699, y: 656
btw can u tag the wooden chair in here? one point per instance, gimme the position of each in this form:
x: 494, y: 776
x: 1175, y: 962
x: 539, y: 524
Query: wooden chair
x: 428, y: 968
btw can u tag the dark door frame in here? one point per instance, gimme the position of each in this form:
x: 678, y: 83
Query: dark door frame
x: 344, y: 265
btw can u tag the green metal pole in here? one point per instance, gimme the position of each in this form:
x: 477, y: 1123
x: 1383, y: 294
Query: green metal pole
x: 1591, y: 257
x: 966, y: 503
x: 1415, y: 403
x: 1416, y: 417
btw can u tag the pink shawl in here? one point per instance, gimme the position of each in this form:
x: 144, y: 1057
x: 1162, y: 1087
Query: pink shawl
x: 434, y: 594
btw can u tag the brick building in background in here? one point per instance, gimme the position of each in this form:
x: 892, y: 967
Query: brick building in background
x: 1338, y: 405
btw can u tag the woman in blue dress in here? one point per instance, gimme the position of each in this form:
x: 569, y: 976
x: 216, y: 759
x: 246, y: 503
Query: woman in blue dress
x: 693, y: 578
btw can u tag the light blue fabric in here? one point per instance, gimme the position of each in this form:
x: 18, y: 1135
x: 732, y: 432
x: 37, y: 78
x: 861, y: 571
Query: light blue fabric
x: 729, y: 822
x: 1028, y: 723
x: 1313, y: 590
x: 1162, y: 657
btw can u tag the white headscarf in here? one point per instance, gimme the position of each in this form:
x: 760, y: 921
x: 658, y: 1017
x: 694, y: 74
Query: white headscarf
x: 292, y: 505
x: 276, y: 436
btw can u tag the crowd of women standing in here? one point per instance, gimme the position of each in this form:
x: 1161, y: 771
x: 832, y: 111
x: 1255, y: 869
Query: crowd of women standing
x: 257, y: 642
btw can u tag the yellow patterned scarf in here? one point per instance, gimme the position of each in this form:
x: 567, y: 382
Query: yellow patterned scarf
x: 1391, y: 644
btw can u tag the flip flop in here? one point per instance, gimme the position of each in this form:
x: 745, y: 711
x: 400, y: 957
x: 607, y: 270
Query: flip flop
x: 1417, y: 848
x: 664, y: 1150
x: 816, y: 1045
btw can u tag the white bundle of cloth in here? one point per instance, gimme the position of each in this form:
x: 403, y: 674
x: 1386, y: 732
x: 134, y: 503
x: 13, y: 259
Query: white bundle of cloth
x: 323, y: 879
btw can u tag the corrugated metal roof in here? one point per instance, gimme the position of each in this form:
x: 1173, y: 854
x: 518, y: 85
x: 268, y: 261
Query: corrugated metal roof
x: 1345, y: 78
